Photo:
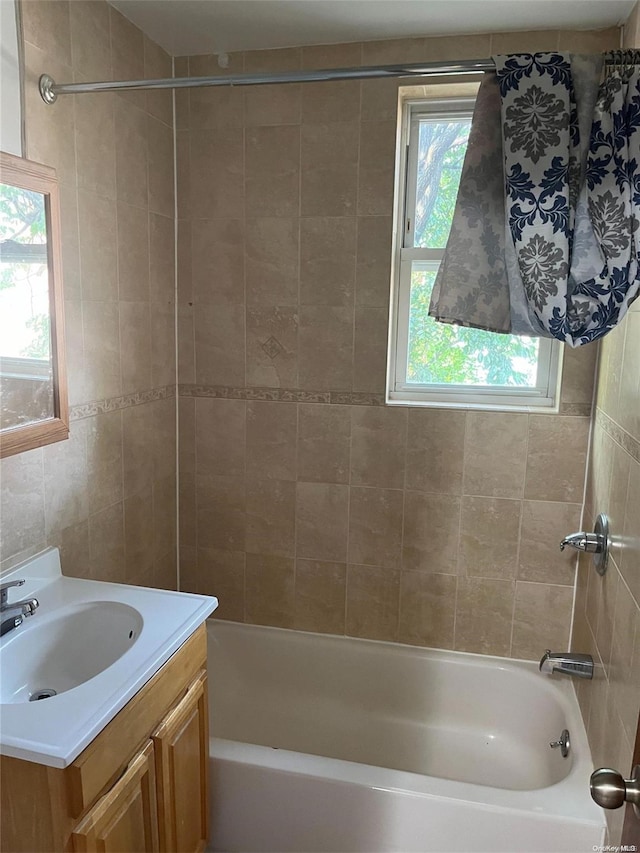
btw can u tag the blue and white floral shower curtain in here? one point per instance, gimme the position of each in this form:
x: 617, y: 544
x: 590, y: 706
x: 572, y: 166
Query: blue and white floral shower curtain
x: 568, y: 257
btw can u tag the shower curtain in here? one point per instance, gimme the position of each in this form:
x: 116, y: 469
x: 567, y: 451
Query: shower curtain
x: 557, y: 239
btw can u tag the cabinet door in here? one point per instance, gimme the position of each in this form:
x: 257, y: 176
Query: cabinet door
x: 125, y: 820
x: 181, y: 751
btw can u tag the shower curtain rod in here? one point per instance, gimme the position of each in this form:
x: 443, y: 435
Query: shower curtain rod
x: 50, y: 90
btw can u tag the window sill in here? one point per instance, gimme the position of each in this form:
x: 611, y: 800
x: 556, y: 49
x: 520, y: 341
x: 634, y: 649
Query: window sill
x: 406, y: 398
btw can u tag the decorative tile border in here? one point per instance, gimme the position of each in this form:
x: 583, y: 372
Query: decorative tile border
x: 356, y: 398
x: 282, y: 395
x: 339, y: 398
x: 619, y: 435
x: 114, y: 404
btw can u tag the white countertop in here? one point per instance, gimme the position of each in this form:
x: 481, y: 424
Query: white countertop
x: 56, y: 730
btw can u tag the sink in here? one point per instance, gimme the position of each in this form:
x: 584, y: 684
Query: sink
x: 66, y: 671
x: 63, y: 652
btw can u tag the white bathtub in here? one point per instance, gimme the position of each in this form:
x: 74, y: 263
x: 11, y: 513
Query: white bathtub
x: 324, y: 743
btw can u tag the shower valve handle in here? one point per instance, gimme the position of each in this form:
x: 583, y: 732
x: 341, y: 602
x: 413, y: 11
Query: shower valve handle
x: 589, y: 542
x: 596, y: 543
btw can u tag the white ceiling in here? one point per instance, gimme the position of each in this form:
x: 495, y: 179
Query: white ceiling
x: 222, y: 26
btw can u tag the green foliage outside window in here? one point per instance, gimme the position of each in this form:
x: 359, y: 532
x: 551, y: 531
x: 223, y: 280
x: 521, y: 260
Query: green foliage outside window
x: 39, y: 345
x: 453, y: 355
x: 440, y: 353
x: 23, y: 275
x: 22, y: 220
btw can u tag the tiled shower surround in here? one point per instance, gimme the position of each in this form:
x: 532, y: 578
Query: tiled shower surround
x: 607, y: 610
x: 106, y: 497
x: 305, y: 502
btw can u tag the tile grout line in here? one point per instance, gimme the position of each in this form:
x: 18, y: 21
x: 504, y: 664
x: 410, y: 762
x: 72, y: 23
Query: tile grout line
x: 297, y: 368
x: 295, y: 523
x: 242, y: 62
x: 462, y: 495
x: 347, y: 561
x: 175, y: 323
x: 517, y: 566
x: 583, y: 509
x: 402, y: 522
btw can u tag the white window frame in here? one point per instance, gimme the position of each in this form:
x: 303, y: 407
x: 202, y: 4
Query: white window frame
x: 545, y: 396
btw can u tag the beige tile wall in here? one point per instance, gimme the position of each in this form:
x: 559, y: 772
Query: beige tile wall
x: 107, y: 495
x: 631, y: 30
x: 299, y: 513
x: 300, y: 505
x: 607, y: 614
x: 607, y: 618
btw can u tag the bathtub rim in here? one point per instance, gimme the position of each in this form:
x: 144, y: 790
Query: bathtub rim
x: 499, y: 800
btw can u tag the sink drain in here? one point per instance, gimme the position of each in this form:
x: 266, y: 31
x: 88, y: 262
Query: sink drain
x: 46, y: 693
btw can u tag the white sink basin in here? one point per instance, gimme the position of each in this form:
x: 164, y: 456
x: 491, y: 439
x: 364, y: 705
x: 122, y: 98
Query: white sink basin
x: 96, y: 644
x: 66, y: 650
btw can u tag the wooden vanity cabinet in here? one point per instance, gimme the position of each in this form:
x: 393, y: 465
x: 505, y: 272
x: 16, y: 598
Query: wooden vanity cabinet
x: 180, y: 743
x: 141, y: 785
x: 126, y: 818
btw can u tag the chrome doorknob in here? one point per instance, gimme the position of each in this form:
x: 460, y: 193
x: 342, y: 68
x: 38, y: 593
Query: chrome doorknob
x: 611, y: 791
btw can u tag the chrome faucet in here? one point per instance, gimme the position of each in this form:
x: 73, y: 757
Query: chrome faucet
x: 596, y: 543
x: 567, y: 663
x: 589, y: 542
x: 13, y: 614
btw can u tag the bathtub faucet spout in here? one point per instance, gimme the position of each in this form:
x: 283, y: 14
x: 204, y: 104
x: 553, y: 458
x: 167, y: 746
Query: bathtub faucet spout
x: 567, y: 663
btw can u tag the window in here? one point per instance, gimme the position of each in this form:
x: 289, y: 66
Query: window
x: 433, y: 363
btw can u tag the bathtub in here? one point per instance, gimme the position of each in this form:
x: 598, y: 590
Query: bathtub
x: 322, y: 743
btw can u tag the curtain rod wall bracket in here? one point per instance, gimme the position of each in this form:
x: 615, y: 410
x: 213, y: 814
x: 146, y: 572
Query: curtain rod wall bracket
x: 46, y: 84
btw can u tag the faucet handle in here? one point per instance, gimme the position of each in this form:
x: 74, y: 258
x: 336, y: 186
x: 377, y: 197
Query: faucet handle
x: 589, y: 542
x: 5, y: 587
x: 596, y: 543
